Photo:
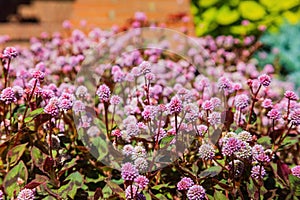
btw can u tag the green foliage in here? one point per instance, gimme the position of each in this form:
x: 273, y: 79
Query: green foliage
x: 216, y: 17
x: 282, y: 50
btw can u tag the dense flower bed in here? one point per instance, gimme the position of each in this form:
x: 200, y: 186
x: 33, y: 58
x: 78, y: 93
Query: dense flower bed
x: 154, y: 125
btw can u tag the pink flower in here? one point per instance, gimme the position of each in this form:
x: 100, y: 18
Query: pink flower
x: 258, y: 172
x: 8, y: 95
x: 52, y: 109
x: 264, y: 80
x: 175, y: 105
x: 241, y: 101
x: 274, y: 114
x: 214, y: 118
x: 231, y: 146
x: 208, y: 105
x: 196, y: 192
x: 10, y: 52
x: 115, y: 100
x: 224, y: 83
x: 129, y: 171
x: 103, y: 93
x: 291, y: 95
x: 296, y: 171
x: 185, y: 183
x: 141, y: 181
x: 267, y: 103
x: 294, y: 117
x: 145, y: 67
x: 26, y: 194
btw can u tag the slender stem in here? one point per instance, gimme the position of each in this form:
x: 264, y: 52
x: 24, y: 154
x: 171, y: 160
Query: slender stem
x: 112, y: 118
x: 252, y: 105
x: 176, y: 128
x: 106, y: 118
x: 6, y: 75
x: 50, y: 139
x: 158, y: 132
x: 27, y: 106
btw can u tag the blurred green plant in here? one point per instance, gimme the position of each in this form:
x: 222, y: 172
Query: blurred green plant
x: 282, y: 49
x: 236, y: 17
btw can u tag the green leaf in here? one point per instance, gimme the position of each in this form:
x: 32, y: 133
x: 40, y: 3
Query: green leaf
x: 205, y: 3
x: 116, y: 189
x: 161, y: 197
x: 265, y: 141
x: 38, y: 157
x: 33, y: 114
x: 158, y: 187
x: 218, y: 195
x: 10, y: 181
x: 166, y: 141
x: 70, y: 189
x: 226, y: 16
x: 211, y: 172
x: 101, y: 147
x: 15, y: 153
x: 252, y: 10
x: 295, y: 184
x: 147, y: 195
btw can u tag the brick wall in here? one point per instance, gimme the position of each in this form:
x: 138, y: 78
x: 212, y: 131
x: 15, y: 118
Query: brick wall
x: 101, y: 13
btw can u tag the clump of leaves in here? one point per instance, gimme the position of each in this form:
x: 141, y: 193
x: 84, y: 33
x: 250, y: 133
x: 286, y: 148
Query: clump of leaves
x: 218, y: 17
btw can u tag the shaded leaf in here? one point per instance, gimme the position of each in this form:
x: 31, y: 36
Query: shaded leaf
x: 15, y: 153
x: 211, y: 172
x: 10, y: 181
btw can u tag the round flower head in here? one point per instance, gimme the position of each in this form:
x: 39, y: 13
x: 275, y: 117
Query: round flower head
x: 145, y: 67
x: 127, y: 150
x: 206, y: 152
x: 241, y: 101
x: 264, y: 80
x: 81, y: 91
x: 175, y: 105
x: 141, y: 164
x: 267, y: 103
x: 141, y: 181
x: 196, y: 192
x: 10, y: 52
x: 207, y: 105
x: 214, y: 118
x: 185, y: 183
x: 26, y: 194
x: 245, y: 136
x: 38, y: 75
x: 291, y: 95
x: 258, y: 172
x: 296, y: 171
x: 115, y: 100
x: 224, y: 83
x: 274, y: 114
x: 294, y: 117
x: 231, y: 146
x: 129, y: 171
x: 8, y: 95
x: 1, y: 195
x: 103, y: 93
x: 52, y: 109
x: 78, y: 106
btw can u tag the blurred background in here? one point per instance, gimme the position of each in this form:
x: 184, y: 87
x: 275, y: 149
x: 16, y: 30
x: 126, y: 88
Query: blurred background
x: 21, y: 19
x: 274, y: 22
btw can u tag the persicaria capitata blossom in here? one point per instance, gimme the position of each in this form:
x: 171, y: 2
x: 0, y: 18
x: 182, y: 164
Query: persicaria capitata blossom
x: 103, y: 93
x: 185, y: 183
